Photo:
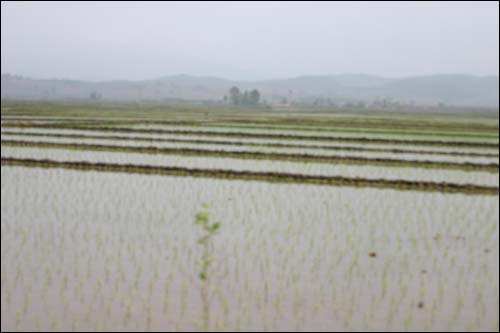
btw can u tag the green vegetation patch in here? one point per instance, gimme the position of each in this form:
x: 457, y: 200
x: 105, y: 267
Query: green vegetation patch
x: 270, y: 136
x: 306, y: 158
x: 252, y: 144
x: 258, y: 176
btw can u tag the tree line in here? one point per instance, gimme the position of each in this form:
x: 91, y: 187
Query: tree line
x: 236, y: 97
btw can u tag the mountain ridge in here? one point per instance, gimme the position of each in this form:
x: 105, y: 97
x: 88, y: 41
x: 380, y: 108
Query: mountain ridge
x: 450, y: 89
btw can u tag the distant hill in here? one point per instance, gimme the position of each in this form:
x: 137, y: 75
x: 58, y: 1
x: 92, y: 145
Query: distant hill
x: 456, y: 90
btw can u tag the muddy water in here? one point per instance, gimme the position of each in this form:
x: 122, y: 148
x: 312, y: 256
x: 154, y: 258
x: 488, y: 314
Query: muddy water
x: 344, y: 170
x: 93, y: 251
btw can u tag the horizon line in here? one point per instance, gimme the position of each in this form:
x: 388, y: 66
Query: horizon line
x: 248, y: 80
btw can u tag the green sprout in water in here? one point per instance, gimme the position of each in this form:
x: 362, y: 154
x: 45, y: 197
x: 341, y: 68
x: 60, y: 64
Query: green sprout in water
x: 209, y: 229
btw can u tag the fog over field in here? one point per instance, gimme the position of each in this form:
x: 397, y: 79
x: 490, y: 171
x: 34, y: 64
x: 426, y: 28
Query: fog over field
x: 248, y: 41
x: 305, y: 52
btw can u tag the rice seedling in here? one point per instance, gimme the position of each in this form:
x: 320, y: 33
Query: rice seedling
x: 360, y: 171
x: 209, y: 229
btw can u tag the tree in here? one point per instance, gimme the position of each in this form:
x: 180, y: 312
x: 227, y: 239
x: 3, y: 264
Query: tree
x: 254, y: 97
x: 95, y: 95
x: 234, y: 95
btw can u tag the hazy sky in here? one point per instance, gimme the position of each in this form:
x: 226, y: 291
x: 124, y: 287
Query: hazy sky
x: 99, y: 41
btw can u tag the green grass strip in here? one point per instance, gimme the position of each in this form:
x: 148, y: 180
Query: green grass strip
x: 252, y: 144
x: 208, y: 124
x: 272, y: 177
x: 363, y: 140
x: 304, y: 158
